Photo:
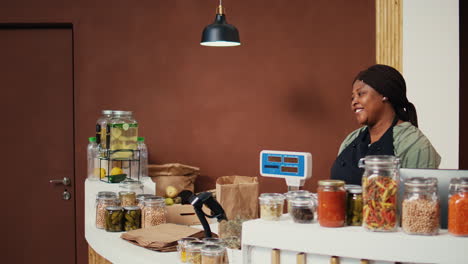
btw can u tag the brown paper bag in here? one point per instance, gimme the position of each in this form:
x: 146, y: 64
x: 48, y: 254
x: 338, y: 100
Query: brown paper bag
x: 161, y: 237
x: 180, y: 176
x: 179, y: 182
x: 171, y: 169
x: 238, y: 195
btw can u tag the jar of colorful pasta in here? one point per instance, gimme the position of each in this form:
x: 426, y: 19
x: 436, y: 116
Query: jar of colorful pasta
x: 380, y: 189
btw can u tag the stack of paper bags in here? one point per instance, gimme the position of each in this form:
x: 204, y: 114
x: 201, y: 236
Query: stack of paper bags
x: 162, y: 237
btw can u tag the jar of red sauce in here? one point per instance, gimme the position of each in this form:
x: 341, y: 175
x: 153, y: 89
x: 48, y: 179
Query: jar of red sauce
x: 331, y: 203
x: 458, y: 211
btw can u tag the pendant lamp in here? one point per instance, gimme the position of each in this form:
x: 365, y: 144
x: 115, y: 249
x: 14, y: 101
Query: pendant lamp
x: 220, y: 33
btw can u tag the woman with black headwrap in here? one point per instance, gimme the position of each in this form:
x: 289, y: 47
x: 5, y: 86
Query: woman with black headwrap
x: 389, y: 126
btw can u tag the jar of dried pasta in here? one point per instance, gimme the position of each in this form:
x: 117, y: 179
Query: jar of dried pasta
x: 271, y: 206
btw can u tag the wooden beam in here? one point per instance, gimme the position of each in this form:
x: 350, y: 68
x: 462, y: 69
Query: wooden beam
x: 389, y: 33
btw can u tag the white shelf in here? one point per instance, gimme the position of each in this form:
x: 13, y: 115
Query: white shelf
x: 351, y: 242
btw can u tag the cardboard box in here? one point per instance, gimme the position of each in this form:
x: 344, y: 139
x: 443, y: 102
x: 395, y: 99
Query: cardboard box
x: 184, y: 214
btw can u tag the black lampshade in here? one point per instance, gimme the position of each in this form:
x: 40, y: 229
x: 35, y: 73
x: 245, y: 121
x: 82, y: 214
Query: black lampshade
x: 220, y: 33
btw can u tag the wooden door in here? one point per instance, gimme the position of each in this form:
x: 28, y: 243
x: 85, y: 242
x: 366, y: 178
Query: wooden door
x: 36, y: 82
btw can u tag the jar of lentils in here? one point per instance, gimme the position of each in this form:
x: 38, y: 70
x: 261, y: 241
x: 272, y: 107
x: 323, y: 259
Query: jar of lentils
x: 154, y: 212
x: 127, y: 198
x: 458, y: 211
x: 421, y: 207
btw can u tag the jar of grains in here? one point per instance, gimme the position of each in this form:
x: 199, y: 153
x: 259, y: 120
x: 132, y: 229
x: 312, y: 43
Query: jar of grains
x: 132, y: 218
x: 271, y: 206
x: 458, y: 211
x: 421, y: 207
x: 354, y: 206
x: 331, y: 203
x: 291, y: 194
x: 154, y: 212
x: 102, y: 201
x: 303, y: 209
x: 379, y: 192
x: 127, y: 198
x: 182, y: 247
x: 114, y: 219
x: 194, y: 252
x: 213, y: 254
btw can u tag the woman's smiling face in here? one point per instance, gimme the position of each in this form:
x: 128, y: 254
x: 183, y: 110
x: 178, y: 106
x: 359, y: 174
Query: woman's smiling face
x: 366, y: 103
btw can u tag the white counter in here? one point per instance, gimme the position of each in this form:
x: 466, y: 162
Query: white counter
x: 109, y: 244
x: 349, y: 243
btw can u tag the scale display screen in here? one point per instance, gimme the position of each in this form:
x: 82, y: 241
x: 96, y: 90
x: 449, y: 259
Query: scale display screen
x: 284, y: 164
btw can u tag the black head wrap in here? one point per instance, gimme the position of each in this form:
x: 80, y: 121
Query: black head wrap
x: 390, y: 83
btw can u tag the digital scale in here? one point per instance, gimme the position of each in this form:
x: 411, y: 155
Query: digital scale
x: 295, y: 167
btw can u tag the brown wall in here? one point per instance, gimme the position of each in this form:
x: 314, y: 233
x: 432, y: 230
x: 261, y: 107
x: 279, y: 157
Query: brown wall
x: 286, y: 88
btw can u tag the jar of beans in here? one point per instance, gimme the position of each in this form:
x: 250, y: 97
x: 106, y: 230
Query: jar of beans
x: 154, y: 212
x: 458, y: 210
x: 421, y: 207
x: 104, y: 200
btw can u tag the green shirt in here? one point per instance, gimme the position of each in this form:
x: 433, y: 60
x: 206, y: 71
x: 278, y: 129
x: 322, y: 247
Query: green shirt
x: 410, y: 145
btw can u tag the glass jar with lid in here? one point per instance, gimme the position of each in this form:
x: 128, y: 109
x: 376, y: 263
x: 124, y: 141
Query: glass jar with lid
x: 303, y: 209
x: 154, y: 212
x: 131, y: 185
x: 354, y: 206
x: 331, y: 203
x: 140, y: 198
x: 458, y: 210
x: 123, y: 134
x: 379, y: 192
x: 132, y: 218
x: 213, y: 254
x: 271, y: 206
x: 421, y: 207
x: 127, y: 198
x: 114, y: 219
x: 194, y: 252
x: 182, y: 247
x: 454, y: 182
x: 104, y: 200
x: 291, y: 194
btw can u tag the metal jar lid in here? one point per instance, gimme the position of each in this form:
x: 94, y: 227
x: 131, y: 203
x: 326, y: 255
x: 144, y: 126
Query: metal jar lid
x: 132, y: 208
x: 337, y: 183
x: 114, y: 208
